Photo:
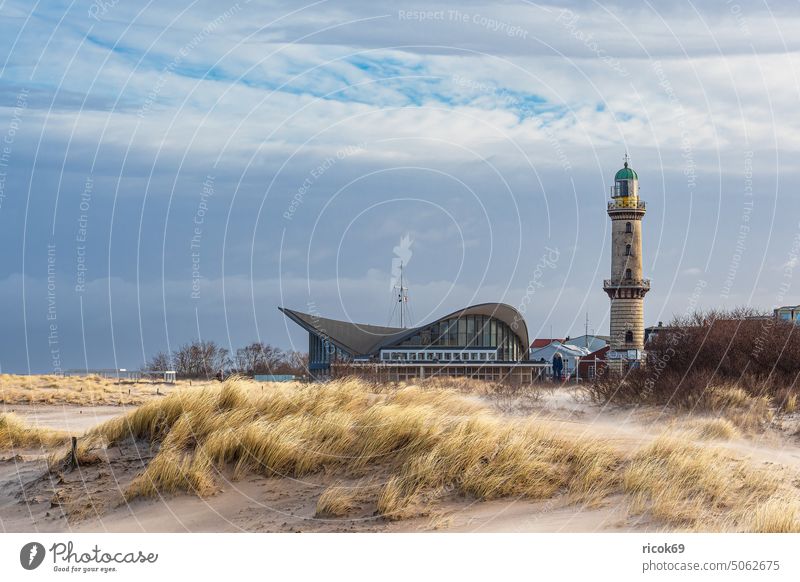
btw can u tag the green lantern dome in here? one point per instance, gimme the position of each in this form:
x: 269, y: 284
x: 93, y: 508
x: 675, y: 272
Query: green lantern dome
x: 626, y: 173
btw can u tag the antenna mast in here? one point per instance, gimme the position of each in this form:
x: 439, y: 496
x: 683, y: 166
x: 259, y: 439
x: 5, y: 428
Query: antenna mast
x: 402, y: 298
x: 586, y: 331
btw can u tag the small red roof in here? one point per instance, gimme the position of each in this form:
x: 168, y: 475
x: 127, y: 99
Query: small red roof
x: 544, y: 341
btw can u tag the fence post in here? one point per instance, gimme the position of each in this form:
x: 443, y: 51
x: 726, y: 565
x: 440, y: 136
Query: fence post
x: 74, y: 455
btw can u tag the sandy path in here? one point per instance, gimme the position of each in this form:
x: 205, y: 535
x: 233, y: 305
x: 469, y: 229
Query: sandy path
x: 524, y: 516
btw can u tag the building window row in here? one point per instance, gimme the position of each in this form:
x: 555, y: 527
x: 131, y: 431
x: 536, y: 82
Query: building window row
x: 432, y: 356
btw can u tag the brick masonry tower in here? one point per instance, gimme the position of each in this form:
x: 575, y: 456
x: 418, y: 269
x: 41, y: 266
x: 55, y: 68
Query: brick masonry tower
x: 626, y: 288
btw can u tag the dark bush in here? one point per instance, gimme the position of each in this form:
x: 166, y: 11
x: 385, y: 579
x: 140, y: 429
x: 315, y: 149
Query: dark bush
x: 742, y: 348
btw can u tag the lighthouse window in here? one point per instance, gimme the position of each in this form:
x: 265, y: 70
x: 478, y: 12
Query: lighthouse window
x: 628, y: 274
x: 622, y: 187
x: 628, y: 227
x: 629, y: 336
x: 627, y: 250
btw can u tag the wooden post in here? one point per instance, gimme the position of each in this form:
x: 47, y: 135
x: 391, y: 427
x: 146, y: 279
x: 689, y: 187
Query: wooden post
x: 74, y: 455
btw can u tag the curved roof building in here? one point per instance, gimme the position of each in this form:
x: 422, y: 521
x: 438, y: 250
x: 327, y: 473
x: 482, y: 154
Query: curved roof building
x: 482, y: 340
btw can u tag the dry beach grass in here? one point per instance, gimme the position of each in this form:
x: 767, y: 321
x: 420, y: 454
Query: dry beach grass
x: 404, y: 450
x: 78, y: 390
x: 430, y: 443
x: 15, y: 434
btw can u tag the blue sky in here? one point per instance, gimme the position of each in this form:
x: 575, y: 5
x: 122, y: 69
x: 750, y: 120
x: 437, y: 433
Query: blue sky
x: 174, y: 170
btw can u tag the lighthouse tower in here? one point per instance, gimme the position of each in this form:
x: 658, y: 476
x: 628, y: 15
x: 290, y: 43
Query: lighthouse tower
x: 626, y: 288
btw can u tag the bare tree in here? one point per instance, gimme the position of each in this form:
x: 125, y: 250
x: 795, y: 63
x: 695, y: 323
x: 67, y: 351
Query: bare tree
x: 296, y: 363
x: 159, y: 362
x: 204, y: 359
x: 201, y: 359
x: 259, y: 358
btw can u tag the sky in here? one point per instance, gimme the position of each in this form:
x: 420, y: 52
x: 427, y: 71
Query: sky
x: 177, y: 170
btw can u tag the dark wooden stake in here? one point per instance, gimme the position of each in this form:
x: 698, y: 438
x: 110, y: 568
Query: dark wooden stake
x: 74, y: 457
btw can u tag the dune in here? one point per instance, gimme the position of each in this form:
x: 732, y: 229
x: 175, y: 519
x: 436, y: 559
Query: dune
x: 351, y: 456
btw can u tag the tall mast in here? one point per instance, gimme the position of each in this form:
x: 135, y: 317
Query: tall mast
x: 586, y: 331
x: 402, y: 298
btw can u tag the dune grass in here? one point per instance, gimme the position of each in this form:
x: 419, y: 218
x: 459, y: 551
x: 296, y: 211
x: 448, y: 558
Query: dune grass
x: 776, y: 515
x: 686, y: 485
x: 750, y: 414
x: 713, y: 428
x: 336, y: 501
x: 78, y: 390
x: 15, y: 434
x: 427, y: 445
x: 426, y: 440
x: 790, y: 404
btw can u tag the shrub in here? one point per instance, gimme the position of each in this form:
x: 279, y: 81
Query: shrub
x: 741, y: 348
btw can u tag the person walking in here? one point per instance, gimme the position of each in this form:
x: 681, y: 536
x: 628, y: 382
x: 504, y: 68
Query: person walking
x: 558, y: 366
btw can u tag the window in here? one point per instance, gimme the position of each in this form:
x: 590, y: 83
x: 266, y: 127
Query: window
x: 628, y: 227
x: 414, y: 340
x: 629, y: 337
x: 627, y: 250
x: 452, y: 333
x: 628, y: 274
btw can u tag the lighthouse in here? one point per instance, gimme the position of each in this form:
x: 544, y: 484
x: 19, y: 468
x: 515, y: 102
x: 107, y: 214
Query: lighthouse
x: 627, y: 287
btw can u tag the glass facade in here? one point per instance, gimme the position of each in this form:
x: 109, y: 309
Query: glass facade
x: 470, y: 331
x: 321, y: 352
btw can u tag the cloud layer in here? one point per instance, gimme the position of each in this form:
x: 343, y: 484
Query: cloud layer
x: 198, y: 164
